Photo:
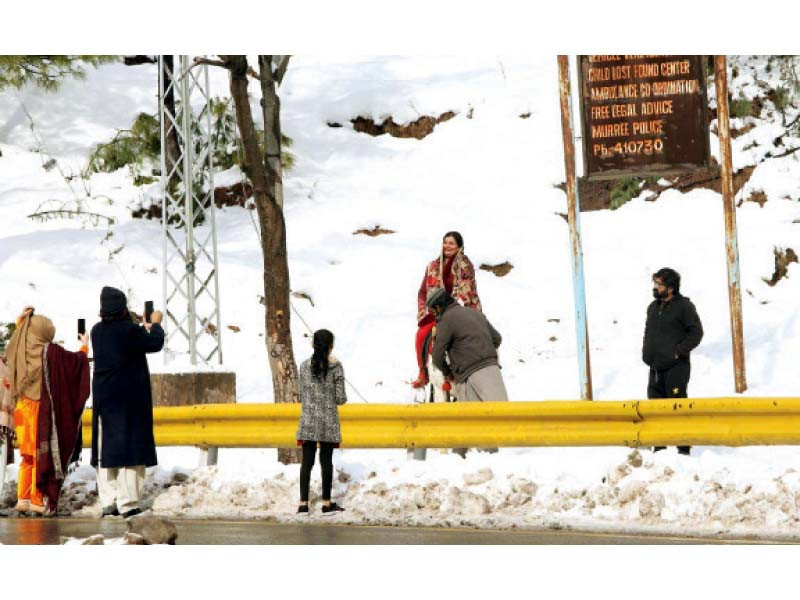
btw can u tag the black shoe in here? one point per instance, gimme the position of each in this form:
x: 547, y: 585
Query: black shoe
x: 685, y: 450
x: 132, y: 512
x: 333, y: 507
x: 659, y: 448
x: 110, y: 511
x: 302, y: 509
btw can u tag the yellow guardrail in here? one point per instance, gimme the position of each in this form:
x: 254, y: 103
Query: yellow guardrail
x: 695, y: 421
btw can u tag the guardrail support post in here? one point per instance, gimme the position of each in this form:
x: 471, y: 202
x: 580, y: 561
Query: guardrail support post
x: 417, y: 453
x: 209, y: 456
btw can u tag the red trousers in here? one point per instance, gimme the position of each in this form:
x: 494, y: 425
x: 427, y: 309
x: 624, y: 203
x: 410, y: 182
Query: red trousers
x: 422, y: 333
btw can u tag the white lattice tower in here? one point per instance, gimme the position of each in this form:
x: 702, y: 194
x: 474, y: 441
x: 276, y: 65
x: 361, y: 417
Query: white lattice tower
x: 190, y: 267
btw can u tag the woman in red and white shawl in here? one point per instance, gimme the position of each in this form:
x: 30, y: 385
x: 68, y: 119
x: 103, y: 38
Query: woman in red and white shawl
x: 454, y: 272
x: 49, y: 386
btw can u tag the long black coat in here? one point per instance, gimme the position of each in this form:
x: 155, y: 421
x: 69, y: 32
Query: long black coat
x: 121, y: 393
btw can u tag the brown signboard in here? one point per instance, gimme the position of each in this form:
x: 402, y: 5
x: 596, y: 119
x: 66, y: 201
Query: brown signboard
x: 643, y: 114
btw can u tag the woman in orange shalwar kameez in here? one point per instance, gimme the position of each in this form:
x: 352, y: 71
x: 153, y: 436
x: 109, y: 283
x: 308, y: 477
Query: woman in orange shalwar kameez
x: 61, y: 389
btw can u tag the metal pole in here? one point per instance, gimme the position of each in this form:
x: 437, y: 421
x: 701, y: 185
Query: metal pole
x: 188, y: 183
x: 574, y: 219
x: 165, y: 200
x: 731, y: 242
x: 212, y: 213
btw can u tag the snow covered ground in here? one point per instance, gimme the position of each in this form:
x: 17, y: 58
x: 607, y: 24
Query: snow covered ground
x: 490, y: 174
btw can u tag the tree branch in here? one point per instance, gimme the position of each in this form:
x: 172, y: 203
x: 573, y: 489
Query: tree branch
x: 281, y: 70
x: 787, y: 153
x: 199, y: 60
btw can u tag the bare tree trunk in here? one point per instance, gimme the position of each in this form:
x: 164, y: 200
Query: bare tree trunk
x: 273, y: 244
x: 271, y: 111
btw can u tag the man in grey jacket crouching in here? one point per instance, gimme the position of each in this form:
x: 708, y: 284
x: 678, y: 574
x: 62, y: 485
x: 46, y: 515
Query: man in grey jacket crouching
x: 470, y: 343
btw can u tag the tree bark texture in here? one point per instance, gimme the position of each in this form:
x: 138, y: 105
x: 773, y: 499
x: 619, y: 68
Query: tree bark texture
x: 271, y: 111
x: 266, y: 187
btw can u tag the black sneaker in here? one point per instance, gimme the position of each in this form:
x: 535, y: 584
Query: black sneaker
x: 302, y: 509
x: 110, y: 511
x: 332, y: 508
x: 132, y: 512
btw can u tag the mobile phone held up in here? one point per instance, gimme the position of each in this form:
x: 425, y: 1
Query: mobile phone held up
x: 81, y: 327
x: 148, y: 311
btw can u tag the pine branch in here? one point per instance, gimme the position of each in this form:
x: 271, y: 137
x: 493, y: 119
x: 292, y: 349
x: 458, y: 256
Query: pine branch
x: 69, y: 214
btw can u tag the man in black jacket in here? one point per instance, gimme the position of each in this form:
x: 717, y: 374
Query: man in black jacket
x: 671, y: 332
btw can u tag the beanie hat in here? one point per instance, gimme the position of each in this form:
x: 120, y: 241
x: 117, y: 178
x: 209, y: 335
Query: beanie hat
x: 112, y: 302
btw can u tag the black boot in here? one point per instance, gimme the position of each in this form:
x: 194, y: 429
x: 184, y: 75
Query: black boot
x: 685, y: 450
x: 333, y: 507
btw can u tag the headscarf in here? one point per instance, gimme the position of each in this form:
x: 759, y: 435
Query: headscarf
x: 25, y: 356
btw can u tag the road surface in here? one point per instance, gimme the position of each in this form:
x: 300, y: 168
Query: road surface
x: 55, y: 530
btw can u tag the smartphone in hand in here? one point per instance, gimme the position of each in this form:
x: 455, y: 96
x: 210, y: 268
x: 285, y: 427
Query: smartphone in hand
x: 81, y: 327
x: 148, y: 311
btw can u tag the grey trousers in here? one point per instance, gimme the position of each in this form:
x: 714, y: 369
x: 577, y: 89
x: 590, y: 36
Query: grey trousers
x: 484, y: 385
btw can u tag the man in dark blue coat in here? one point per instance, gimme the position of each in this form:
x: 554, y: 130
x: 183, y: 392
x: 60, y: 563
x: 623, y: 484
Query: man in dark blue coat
x: 671, y: 332
x: 122, y: 417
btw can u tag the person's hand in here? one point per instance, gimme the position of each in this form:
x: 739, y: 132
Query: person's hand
x: 157, y: 317
x: 84, y: 338
x: 28, y: 310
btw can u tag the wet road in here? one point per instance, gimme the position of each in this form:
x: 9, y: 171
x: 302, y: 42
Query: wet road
x: 55, y: 531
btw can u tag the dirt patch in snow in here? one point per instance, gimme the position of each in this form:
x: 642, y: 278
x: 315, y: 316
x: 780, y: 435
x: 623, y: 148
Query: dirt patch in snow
x: 783, y: 258
x: 500, y: 270
x: 757, y: 196
x: 596, y: 195
x: 418, y: 129
x: 374, y: 232
x: 224, y: 196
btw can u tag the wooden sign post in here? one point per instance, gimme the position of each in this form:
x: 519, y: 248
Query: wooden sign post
x: 731, y: 241
x: 645, y: 115
x: 574, y: 220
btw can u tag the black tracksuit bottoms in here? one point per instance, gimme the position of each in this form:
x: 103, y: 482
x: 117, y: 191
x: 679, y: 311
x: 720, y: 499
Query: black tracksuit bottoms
x: 670, y: 383
x: 326, y: 462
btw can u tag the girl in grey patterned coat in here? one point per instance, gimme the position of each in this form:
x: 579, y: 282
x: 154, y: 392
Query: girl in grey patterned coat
x: 321, y: 393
